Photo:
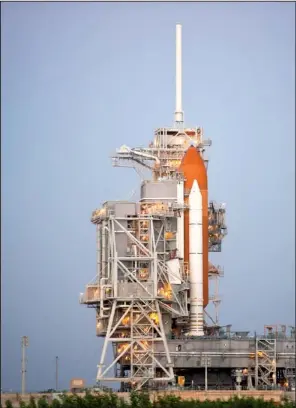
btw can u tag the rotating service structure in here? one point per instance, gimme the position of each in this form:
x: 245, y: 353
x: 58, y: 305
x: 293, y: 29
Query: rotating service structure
x: 152, y: 288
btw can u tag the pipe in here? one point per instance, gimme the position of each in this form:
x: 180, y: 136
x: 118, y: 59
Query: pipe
x: 102, y: 308
x: 149, y: 156
x: 157, y: 199
x: 180, y: 220
x: 179, y: 112
x: 103, y: 249
x: 196, y: 261
x: 217, y: 354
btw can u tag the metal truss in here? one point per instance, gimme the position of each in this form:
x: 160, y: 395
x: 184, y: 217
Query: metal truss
x: 143, y: 328
x: 265, y: 362
x: 147, y: 252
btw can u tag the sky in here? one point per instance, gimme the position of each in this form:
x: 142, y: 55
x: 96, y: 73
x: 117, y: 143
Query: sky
x: 81, y: 79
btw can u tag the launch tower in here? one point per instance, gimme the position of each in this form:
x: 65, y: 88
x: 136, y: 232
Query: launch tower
x: 151, y: 290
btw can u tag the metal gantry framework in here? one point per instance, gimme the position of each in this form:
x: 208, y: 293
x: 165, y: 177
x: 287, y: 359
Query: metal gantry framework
x: 265, y: 362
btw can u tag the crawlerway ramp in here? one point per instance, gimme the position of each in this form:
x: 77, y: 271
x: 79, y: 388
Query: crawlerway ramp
x: 276, y: 396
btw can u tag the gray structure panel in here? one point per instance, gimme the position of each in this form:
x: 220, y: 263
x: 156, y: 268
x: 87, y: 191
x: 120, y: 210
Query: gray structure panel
x: 159, y: 190
x: 130, y: 290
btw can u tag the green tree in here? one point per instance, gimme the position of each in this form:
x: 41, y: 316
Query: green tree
x: 55, y: 404
x: 8, y: 404
x: 68, y: 401
x: 32, y: 402
x: 122, y: 403
x: 90, y: 400
x: 42, y: 402
x: 22, y: 404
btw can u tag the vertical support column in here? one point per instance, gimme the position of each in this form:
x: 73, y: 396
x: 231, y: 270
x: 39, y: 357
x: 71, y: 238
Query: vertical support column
x: 106, y: 341
x: 256, y: 364
x: 99, y: 255
x: 113, y: 253
x: 180, y: 220
x: 206, y: 362
x: 153, y: 250
x: 115, y: 275
x: 103, y: 235
x: 165, y: 344
x: 206, y: 375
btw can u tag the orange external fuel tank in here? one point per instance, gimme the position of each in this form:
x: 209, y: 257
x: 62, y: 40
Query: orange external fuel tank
x: 193, y: 168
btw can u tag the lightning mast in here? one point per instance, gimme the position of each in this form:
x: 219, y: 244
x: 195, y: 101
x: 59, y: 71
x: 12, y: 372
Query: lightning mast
x: 179, y: 112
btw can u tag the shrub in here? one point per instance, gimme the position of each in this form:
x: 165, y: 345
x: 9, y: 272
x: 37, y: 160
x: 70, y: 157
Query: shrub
x: 142, y: 400
x: 168, y: 401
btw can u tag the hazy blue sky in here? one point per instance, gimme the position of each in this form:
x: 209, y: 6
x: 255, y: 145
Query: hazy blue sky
x: 81, y: 79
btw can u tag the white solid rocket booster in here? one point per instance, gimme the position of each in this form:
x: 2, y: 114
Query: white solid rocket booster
x: 196, y: 261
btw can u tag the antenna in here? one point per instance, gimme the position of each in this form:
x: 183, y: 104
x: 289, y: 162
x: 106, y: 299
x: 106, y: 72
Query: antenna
x: 179, y: 112
x: 57, y: 374
x: 25, y: 343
